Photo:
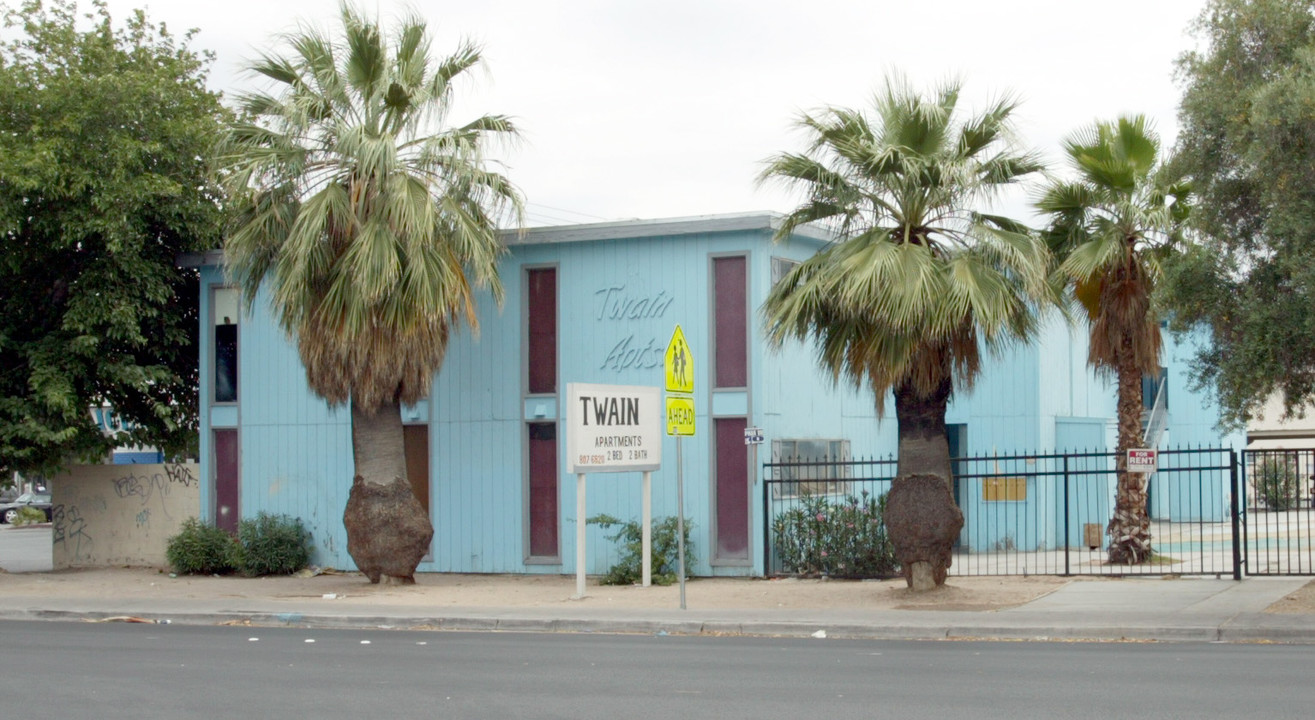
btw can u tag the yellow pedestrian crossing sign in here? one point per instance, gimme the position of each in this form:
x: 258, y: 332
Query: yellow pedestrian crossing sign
x: 679, y: 364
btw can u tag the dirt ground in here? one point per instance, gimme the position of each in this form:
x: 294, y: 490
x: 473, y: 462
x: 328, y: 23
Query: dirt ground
x: 454, y: 590
x: 1301, y: 602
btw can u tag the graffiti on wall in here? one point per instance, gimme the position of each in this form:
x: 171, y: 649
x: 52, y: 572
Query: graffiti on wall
x: 67, y: 525
x: 117, y: 514
x: 617, y: 303
x: 145, y: 485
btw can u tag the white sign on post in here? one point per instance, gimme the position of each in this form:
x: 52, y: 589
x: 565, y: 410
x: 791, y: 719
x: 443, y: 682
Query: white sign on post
x: 613, y: 428
x: 1141, y: 460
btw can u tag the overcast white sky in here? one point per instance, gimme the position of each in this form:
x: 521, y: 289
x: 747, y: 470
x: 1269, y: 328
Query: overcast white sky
x: 665, y: 108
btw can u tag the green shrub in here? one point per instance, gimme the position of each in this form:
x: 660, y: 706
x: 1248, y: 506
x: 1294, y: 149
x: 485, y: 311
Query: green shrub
x: 272, y: 545
x: 201, y: 549
x: 844, y: 539
x: 665, y: 561
x: 1276, y: 483
x: 28, y: 515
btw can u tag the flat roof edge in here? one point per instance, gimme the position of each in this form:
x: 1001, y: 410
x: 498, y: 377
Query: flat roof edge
x: 616, y: 230
x: 199, y: 259
x: 628, y: 229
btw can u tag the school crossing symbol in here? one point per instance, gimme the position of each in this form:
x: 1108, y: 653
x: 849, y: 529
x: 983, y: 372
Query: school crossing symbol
x: 679, y: 367
x: 679, y: 364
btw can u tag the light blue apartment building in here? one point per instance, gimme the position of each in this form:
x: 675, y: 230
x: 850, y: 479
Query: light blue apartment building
x: 597, y: 304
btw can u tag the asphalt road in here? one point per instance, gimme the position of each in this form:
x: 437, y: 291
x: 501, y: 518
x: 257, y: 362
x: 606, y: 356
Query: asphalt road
x: 111, y: 670
x: 25, y: 549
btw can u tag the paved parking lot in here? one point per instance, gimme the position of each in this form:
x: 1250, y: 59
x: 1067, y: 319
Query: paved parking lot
x: 25, y: 549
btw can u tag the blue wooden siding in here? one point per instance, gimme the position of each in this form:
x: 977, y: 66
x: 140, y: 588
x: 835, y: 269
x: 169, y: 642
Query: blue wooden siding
x: 619, y: 301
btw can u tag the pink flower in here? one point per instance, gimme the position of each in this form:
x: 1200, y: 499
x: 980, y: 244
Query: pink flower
x: 823, y: 553
x: 821, y: 517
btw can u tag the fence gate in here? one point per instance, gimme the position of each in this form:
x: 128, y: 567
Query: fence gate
x: 1023, y: 514
x: 1279, y: 511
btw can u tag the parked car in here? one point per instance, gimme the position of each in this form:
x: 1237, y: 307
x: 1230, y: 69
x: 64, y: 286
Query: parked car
x: 9, y: 511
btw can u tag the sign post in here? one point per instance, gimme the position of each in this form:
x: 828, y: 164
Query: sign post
x: 679, y: 370
x: 753, y: 437
x: 611, y: 428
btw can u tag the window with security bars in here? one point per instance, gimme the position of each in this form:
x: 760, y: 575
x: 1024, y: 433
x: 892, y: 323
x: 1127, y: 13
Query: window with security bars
x: 811, y: 467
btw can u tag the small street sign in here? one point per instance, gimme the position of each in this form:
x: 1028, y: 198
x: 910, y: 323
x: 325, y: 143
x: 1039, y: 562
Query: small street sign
x: 753, y: 436
x: 1142, y: 460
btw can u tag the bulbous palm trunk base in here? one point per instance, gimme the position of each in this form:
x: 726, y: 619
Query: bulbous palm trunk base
x: 1130, y: 526
x: 388, y: 532
x: 923, y: 522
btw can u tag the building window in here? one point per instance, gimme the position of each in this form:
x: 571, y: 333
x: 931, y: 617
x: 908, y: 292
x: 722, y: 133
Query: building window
x: 224, y: 314
x: 811, y: 467
x: 1152, y: 386
x: 541, y: 311
x: 730, y: 282
x: 781, y: 267
x: 542, y: 496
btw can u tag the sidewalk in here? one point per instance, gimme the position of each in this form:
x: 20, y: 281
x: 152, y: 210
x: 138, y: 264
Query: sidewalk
x: 1169, y: 609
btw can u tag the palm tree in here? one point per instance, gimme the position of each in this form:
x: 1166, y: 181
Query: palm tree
x: 1110, y: 227
x: 370, y: 221
x: 917, y: 280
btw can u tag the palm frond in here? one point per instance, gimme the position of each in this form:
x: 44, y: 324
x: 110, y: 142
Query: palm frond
x: 915, y: 275
x: 372, y: 221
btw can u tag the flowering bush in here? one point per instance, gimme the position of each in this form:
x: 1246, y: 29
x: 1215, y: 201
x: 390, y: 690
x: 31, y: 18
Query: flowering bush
x: 845, y: 539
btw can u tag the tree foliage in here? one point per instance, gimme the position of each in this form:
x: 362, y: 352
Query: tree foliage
x: 369, y: 216
x: 1248, y: 141
x: 1111, y: 226
x: 103, y: 132
x: 918, y: 278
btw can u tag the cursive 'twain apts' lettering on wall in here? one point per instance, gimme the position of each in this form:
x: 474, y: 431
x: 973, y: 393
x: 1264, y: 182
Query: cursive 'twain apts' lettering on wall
x: 632, y: 352
x: 614, y: 303
x: 628, y: 353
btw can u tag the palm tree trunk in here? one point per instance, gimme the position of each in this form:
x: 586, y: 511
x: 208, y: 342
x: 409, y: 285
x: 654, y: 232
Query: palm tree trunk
x: 924, y: 446
x: 921, y: 518
x: 388, y: 532
x: 1130, y: 526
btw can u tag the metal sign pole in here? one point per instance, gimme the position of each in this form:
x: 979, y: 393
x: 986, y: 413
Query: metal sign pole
x: 680, y: 519
x: 648, y: 530
x: 579, y: 535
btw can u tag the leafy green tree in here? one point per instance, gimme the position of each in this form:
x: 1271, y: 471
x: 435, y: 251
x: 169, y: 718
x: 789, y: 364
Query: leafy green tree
x: 918, y: 279
x: 1110, y: 227
x: 103, y: 131
x: 370, y: 221
x: 1246, y: 140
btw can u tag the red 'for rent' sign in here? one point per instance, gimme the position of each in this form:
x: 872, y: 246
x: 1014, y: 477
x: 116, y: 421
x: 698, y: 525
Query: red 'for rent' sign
x: 1141, y: 461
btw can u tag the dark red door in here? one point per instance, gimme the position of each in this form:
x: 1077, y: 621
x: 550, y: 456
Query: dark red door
x: 732, y: 542
x: 226, y: 480
x: 543, y: 490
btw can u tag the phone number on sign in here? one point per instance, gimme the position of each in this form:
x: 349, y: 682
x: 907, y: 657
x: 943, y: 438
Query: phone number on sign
x: 613, y: 456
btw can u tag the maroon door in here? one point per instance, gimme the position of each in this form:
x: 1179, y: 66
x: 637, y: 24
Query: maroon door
x: 732, y: 542
x: 543, y: 490
x: 226, y: 480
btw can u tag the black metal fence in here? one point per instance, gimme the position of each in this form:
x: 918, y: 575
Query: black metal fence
x: 1023, y: 514
x: 1279, y: 528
